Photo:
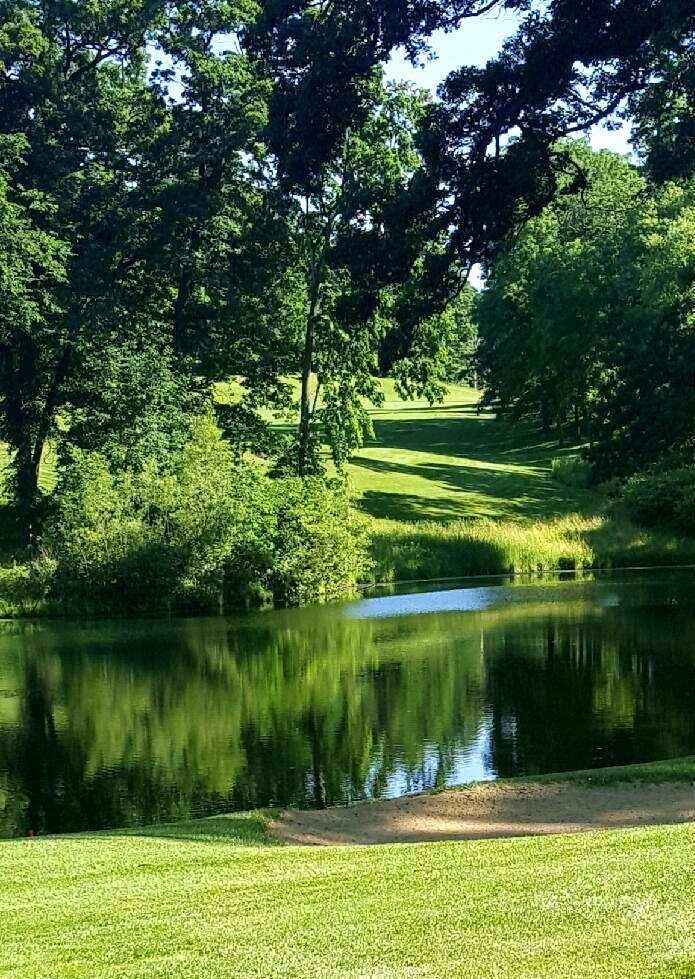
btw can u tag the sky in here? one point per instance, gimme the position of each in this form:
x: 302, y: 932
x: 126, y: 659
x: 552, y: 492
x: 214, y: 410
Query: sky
x: 478, y: 40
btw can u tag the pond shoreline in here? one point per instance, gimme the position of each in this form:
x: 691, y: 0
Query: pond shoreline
x: 617, y: 797
x: 490, y: 811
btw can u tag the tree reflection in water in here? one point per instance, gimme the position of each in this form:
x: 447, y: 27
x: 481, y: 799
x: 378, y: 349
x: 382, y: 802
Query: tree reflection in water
x: 115, y: 724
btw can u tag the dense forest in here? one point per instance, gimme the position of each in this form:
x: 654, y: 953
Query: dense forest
x: 228, y: 196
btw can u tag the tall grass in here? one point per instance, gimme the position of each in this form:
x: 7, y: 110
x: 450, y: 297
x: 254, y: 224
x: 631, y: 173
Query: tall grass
x: 462, y: 548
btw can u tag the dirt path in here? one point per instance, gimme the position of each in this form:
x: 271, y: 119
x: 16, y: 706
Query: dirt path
x: 491, y: 810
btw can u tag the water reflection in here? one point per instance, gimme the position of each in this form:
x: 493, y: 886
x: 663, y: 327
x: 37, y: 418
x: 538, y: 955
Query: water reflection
x: 118, y: 724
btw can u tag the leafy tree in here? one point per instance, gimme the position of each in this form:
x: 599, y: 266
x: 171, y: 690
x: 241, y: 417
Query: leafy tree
x: 645, y: 400
x: 496, y: 143
x: 587, y: 319
x: 73, y: 98
x: 543, y: 317
x: 344, y: 151
x: 663, y: 114
x: 32, y: 266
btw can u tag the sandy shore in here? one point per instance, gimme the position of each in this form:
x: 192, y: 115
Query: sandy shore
x: 490, y: 810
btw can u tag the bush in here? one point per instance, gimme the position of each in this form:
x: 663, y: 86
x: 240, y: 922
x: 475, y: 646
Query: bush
x: 320, y: 542
x: 207, y: 530
x: 662, y: 498
x: 571, y: 471
x: 24, y: 588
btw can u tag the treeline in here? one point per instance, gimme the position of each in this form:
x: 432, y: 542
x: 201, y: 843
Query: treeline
x: 196, y: 192
x: 587, y: 322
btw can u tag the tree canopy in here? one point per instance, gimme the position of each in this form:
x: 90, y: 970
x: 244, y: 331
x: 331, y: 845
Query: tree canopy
x: 191, y: 192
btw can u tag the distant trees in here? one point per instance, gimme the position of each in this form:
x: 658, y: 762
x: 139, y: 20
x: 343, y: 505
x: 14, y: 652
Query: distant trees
x: 587, y: 321
x: 544, y: 316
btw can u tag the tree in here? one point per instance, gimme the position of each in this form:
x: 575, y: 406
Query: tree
x: 337, y: 221
x: 345, y: 151
x: 587, y: 321
x: 73, y: 98
x: 663, y: 115
x: 645, y: 401
x: 497, y: 143
x: 544, y: 318
x: 32, y: 266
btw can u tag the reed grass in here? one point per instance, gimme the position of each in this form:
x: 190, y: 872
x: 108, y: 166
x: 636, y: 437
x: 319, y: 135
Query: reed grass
x: 429, y: 550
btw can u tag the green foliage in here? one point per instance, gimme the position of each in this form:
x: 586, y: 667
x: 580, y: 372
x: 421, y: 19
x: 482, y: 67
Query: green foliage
x: 541, y: 319
x: 664, y: 114
x: 663, y: 497
x: 587, y: 321
x: 571, y: 470
x: 203, y: 530
x: 320, y: 542
x: 24, y: 588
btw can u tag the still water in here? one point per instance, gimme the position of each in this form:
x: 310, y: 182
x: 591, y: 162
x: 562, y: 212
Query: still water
x: 107, y: 724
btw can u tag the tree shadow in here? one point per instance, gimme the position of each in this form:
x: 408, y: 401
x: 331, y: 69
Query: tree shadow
x: 236, y: 828
x: 504, y: 492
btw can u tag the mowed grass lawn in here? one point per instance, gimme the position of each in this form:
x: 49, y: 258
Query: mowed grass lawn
x: 195, y: 906
x: 451, y: 462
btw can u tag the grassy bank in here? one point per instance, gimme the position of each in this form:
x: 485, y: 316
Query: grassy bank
x: 616, y: 905
x: 454, y: 492
x: 453, y: 461
x: 425, y: 550
x: 653, y: 772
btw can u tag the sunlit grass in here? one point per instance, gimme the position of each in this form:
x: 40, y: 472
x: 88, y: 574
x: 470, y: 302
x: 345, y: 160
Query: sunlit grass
x: 617, y: 905
x: 407, y: 551
x: 451, y: 462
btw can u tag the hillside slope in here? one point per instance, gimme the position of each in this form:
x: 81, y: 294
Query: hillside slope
x: 452, y: 461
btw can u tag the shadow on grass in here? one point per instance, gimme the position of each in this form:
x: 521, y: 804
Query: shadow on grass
x: 618, y: 543
x: 504, y: 493
x: 237, y: 828
x: 481, y: 437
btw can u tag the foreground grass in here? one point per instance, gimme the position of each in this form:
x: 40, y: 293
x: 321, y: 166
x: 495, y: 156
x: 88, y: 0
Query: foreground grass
x: 618, y: 905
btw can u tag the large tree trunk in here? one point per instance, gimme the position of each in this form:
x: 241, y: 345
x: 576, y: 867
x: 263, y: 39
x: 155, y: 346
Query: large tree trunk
x: 305, y: 412
x: 26, y: 487
x: 30, y: 446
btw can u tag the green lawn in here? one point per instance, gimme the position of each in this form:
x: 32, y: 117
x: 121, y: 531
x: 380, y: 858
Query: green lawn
x: 618, y: 905
x: 450, y: 462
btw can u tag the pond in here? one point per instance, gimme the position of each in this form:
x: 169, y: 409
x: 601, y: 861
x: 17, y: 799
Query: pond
x: 110, y: 724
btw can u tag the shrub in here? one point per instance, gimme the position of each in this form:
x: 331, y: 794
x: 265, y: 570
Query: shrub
x: 571, y: 471
x: 320, y: 544
x: 208, y: 529
x: 105, y: 551
x: 24, y: 588
x: 662, y: 498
